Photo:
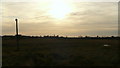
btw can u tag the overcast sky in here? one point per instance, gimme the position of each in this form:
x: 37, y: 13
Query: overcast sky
x: 83, y: 18
x: 51, y: 0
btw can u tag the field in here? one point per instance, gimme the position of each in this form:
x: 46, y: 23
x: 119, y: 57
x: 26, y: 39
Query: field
x: 60, y: 52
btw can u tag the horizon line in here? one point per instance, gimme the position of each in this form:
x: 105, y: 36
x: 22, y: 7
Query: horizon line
x: 63, y: 35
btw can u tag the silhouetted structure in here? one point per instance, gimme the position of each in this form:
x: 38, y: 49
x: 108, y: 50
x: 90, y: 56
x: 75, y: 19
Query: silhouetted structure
x: 17, y: 35
x: 16, y: 20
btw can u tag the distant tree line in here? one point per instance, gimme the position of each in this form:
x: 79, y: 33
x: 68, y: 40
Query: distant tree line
x: 57, y: 36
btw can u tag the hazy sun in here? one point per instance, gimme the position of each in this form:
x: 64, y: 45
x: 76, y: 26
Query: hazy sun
x: 59, y: 9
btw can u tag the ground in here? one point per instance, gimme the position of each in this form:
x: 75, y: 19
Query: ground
x: 60, y: 52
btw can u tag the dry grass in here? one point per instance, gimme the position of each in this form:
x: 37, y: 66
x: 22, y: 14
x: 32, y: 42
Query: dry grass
x: 60, y: 52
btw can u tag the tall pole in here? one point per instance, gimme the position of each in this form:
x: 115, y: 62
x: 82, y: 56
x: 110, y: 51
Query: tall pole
x: 16, y: 27
x: 17, y: 38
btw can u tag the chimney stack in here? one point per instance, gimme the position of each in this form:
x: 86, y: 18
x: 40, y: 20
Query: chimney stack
x: 16, y: 20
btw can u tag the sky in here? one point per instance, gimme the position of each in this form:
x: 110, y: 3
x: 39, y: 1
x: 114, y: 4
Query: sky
x: 51, y: 0
x: 61, y: 17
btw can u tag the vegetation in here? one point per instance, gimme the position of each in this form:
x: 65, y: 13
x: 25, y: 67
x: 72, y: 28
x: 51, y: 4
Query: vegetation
x: 60, y: 52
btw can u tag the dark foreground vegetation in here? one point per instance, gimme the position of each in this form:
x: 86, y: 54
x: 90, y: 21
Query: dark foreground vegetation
x: 39, y: 51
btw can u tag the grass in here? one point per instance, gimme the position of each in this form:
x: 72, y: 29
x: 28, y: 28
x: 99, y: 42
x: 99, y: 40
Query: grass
x: 60, y: 52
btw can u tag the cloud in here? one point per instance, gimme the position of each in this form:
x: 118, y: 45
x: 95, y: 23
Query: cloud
x: 52, y: 0
x: 96, y: 14
x: 89, y: 18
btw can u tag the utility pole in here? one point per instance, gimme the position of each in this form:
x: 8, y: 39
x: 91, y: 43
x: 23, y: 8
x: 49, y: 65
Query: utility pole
x: 17, y: 38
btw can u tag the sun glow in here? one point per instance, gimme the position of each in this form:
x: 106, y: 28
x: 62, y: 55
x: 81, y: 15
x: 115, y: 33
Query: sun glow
x: 59, y: 9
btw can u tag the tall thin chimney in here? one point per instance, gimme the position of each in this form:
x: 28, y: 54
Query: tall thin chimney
x: 16, y: 20
x: 17, y: 38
